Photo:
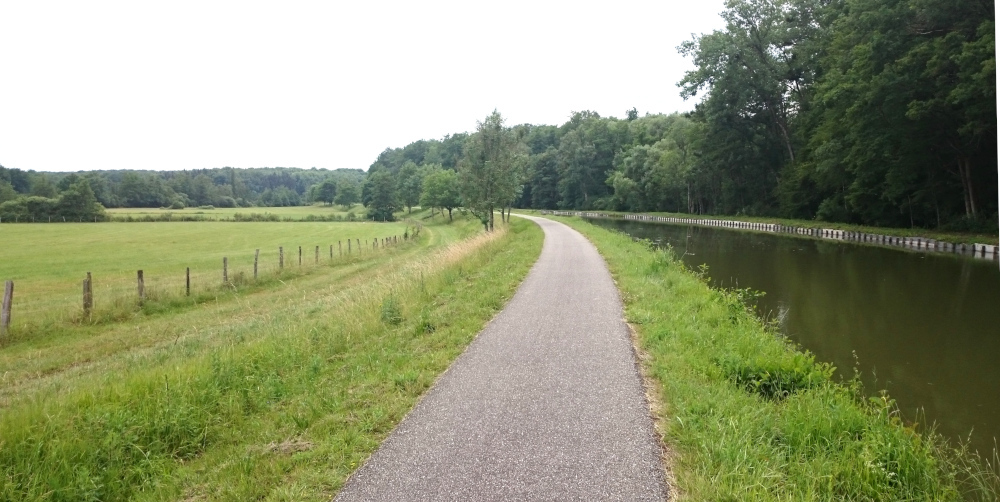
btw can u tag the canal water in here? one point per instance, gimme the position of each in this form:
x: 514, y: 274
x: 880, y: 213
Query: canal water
x: 924, y: 326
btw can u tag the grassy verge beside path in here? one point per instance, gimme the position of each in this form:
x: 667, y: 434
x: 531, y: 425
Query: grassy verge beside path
x: 749, y: 417
x: 276, y: 394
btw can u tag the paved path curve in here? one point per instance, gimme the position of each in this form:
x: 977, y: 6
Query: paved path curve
x: 546, y: 404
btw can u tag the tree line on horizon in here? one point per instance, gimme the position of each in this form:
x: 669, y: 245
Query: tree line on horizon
x: 876, y: 112
x: 26, y: 194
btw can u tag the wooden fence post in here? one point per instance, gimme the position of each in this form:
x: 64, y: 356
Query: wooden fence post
x: 187, y: 282
x: 340, y: 248
x: 256, y: 255
x: 88, y: 295
x: 8, y: 299
x: 140, y: 286
x: 317, y: 254
x: 359, y: 245
x: 281, y: 257
x: 225, y: 270
x: 331, y: 251
x: 300, y: 256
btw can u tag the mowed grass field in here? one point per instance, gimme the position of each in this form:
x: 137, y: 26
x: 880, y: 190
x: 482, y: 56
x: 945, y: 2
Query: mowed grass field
x: 290, y: 213
x: 274, y: 390
x: 48, y: 262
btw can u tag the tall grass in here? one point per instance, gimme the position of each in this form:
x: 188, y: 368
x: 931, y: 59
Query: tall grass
x: 301, y: 385
x: 747, y: 416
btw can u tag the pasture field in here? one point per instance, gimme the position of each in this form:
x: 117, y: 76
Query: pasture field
x: 275, y: 390
x: 289, y: 213
x: 48, y: 262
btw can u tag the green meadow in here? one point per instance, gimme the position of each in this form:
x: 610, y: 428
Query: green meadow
x: 48, y: 262
x: 274, y: 389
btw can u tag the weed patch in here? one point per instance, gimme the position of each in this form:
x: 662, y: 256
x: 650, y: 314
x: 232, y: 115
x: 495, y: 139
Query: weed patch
x: 776, y: 379
x: 391, y: 313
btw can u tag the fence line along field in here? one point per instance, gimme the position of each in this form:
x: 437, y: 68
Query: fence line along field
x: 49, y: 262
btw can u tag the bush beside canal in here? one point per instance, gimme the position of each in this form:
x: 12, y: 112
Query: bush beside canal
x: 747, y: 416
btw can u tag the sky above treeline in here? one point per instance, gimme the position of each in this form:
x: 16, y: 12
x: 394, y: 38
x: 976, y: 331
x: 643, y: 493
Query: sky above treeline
x: 190, y: 85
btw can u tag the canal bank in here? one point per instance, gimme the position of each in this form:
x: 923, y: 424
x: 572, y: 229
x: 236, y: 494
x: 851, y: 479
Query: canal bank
x: 976, y: 250
x: 749, y: 417
x: 921, y: 325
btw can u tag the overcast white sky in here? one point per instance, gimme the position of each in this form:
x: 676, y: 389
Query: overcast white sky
x: 189, y: 85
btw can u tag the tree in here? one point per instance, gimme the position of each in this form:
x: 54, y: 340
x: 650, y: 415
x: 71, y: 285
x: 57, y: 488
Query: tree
x: 489, y: 174
x: 586, y: 156
x: 42, y: 186
x: 7, y: 191
x: 20, y: 180
x: 384, y: 202
x: 348, y: 193
x: 756, y: 75
x: 326, y: 191
x: 68, y: 180
x: 543, y: 179
x: 78, y: 201
x: 410, y: 184
x: 441, y: 190
x: 202, y: 190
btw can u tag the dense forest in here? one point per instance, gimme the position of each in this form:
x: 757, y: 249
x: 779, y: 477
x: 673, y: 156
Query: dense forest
x: 878, y: 112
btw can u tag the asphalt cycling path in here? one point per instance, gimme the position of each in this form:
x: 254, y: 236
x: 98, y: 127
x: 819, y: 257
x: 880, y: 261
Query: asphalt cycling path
x: 546, y: 404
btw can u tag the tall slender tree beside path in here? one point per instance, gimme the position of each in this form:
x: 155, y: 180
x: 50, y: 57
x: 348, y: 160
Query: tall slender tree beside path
x: 489, y: 174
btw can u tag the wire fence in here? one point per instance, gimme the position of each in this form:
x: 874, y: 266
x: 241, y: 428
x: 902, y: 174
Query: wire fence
x: 30, y: 304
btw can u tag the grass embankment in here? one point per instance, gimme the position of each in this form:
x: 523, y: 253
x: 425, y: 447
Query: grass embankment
x: 953, y: 237
x: 48, y: 262
x: 749, y: 417
x: 276, y: 393
x: 289, y: 213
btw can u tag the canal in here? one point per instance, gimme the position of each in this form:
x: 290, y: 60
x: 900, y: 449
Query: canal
x: 924, y: 326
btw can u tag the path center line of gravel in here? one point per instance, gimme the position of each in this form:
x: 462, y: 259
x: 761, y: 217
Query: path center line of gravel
x: 546, y: 404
